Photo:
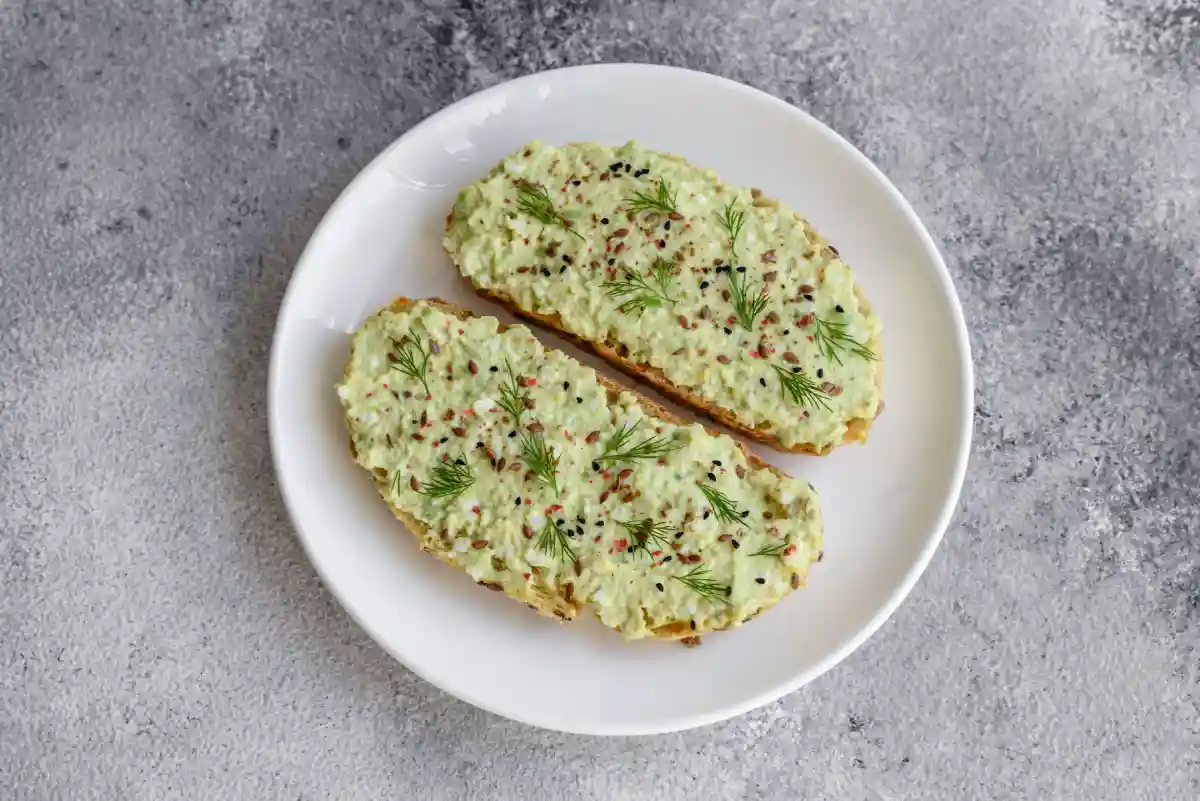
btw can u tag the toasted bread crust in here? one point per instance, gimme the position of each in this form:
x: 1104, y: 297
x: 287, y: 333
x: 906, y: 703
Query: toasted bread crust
x: 561, y: 605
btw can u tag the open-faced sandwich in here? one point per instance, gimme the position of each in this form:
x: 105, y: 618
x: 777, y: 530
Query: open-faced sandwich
x: 724, y: 299
x: 544, y: 480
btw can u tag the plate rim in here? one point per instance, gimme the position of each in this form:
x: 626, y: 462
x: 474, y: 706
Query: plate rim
x: 773, y: 693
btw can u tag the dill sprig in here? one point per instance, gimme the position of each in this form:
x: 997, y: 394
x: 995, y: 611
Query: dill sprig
x: 512, y: 396
x: 747, y: 305
x: 732, y: 219
x: 540, y: 458
x: 775, y: 549
x: 663, y: 199
x: 535, y: 201
x: 554, y: 541
x: 646, y: 532
x: 450, y: 479
x: 652, y: 294
x: 800, y: 388
x: 414, y: 365
x: 619, y: 449
x: 722, y: 506
x: 699, y: 579
x: 832, y: 337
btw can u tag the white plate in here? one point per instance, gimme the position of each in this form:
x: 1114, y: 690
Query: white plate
x: 886, y: 503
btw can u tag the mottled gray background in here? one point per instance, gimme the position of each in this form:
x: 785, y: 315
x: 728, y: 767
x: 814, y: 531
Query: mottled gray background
x: 162, y: 634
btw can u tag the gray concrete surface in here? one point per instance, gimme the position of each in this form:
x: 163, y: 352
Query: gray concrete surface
x: 161, y: 632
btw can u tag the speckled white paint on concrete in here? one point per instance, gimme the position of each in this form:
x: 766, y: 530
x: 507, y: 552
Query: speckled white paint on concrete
x: 164, y: 636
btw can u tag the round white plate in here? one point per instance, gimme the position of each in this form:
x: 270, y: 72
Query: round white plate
x: 886, y: 504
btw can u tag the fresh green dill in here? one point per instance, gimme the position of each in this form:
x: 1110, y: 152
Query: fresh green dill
x: 663, y: 199
x: 535, y: 201
x: 832, y: 337
x: 800, y: 388
x: 512, y: 396
x: 555, y: 542
x: 540, y: 458
x: 620, y: 449
x: 652, y: 294
x: 774, y: 549
x: 722, y: 506
x: 732, y: 219
x: 747, y: 304
x: 646, y: 533
x: 414, y: 365
x: 450, y: 479
x: 699, y: 579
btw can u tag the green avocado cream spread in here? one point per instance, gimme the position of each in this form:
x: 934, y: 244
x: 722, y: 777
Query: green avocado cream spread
x: 731, y: 296
x: 538, y: 480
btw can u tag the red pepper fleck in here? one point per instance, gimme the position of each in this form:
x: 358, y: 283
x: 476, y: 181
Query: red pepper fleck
x: 531, y: 382
x: 604, y: 496
x: 788, y: 551
x: 418, y: 437
x: 620, y: 545
x: 474, y: 368
x: 369, y: 394
x: 526, y: 575
x: 479, y: 544
x: 475, y: 509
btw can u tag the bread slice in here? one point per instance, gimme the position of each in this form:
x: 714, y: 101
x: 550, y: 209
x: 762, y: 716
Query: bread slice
x: 629, y: 252
x: 636, y: 539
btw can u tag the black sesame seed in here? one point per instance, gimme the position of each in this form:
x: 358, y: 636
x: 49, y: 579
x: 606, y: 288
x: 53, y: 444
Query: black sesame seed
x: 443, y: 440
x: 820, y: 372
x: 745, y: 514
x: 579, y: 400
x: 728, y: 330
x: 761, y: 580
x: 741, y: 269
x: 668, y: 559
x: 478, y: 445
x: 667, y: 225
x: 786, y: 332
x: 560, y: 521
x: 762, y: 381
x: 566, y: 385
x: 706, y: 513
x: 628, y: 167
x: 717, y: 462
x: 596, y: 466
x: 808, y: 297
x: 493, y: 368
x: 512, y: 434
x: 712, y: 477
x: 662, y: 243
x: 562, y: 269
x: 580, y: 519
x: 693, y: 624
x: 839, y: 309
x: 545, y: 272
x: 611, y: 262
x: 795, y: 369
x: 678, y: 534
x: 704, y: 285
x: 579, y: 530
x: 640, y: 173
x: 567, y: 258
x: 517, y: 502
x: 600, y: 523
x: 575, y: 183
x: 659, y: 586
x: 735, y: 544
x: 604, y: 221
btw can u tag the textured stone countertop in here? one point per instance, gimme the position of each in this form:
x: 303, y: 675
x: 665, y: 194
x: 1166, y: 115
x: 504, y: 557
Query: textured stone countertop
x: 162, y: 634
